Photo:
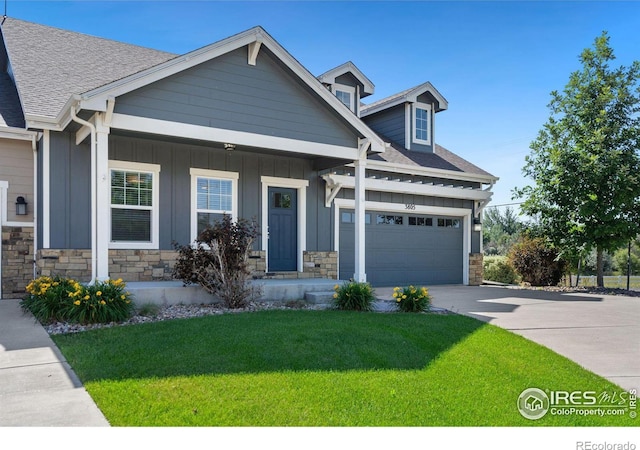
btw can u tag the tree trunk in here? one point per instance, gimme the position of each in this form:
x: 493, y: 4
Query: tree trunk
x: 600, y: 267
x: 579, y: 270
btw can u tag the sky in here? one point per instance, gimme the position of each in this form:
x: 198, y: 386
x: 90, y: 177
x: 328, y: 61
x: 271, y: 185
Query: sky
x: 496, y: 62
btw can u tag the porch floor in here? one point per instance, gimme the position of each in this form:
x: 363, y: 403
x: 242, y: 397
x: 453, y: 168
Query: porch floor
x: 274, y: 290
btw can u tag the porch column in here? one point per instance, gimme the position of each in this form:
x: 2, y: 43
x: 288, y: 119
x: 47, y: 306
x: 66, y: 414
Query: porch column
x: 360, y: 274
x: 102, y: 201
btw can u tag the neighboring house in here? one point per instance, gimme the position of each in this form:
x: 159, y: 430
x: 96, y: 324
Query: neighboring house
x: 17, y: 156
x: 136, y: 149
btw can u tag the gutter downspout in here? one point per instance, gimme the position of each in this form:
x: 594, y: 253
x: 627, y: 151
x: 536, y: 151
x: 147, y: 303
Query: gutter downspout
x: 94, y: 234
x: 34, y: 147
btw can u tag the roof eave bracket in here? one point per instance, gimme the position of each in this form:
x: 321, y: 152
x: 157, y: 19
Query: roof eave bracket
x: 254, y: 49
x: 331, y: 190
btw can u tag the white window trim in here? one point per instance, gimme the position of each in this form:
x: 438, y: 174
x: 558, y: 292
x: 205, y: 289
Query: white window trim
x: 154, y: 169
x: 414, y: 109
x: 301, y: 187
x: 206, y: 173
x: 350, y: 89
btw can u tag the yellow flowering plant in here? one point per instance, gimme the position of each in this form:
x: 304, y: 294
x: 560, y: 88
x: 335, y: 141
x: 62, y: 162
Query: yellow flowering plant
x: 47, y: 297
x: 412, y: 298
x: 52, y: 299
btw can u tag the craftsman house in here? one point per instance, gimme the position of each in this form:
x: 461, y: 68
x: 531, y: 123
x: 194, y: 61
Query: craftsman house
x: 119, y: 151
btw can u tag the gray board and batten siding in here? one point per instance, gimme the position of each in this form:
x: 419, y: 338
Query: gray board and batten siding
x: 347, y: 79
x: 225, y: 92
x: 389, y: 123
x: 70, y: 194
x: 228, y: 93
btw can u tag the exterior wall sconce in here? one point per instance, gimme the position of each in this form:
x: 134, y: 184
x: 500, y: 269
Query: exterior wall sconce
x: 477, y: 224
x: 21, y: 206
x: 229, y: 147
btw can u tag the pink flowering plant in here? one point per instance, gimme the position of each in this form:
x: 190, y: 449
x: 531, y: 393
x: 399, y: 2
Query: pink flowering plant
x: 412, y: 298
x: 59, y: 299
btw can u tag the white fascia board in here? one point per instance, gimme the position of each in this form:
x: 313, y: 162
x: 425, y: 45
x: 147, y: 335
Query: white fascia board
x: 403, y: 187
x: 199, y: 132
x: 406, y: 169
x: 330, y: 76
x: 44, y: 123
x: 171, y: 67
x: 98, y: 97
x: 411, y: 96
x: 18, y: 134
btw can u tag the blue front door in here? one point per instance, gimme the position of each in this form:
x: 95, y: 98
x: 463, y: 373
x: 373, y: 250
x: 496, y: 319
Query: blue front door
x: 283, y: 229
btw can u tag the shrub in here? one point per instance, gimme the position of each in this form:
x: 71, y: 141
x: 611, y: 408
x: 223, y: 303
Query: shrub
x: 102, y: 302
x: 498, y: 268
x: 48, y: 297
x: 412, y: 299
x: 536, y: 262
x: 354, y: 296
x: 218, y: 261
x: 65, y: 300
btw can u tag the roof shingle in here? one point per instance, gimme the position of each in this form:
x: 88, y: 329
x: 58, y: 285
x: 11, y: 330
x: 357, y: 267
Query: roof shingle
x: 50, y: 64
x: 440, y: 159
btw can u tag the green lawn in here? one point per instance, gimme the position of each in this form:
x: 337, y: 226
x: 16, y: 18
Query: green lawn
x: 321, y: 368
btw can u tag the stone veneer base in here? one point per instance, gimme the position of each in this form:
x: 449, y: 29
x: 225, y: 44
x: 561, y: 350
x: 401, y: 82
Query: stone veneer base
x: 17, y: 260
x: 157, y: 265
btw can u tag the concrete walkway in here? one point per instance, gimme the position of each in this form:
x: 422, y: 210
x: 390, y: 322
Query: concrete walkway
x: 37, y: 386
x: 599, y: 332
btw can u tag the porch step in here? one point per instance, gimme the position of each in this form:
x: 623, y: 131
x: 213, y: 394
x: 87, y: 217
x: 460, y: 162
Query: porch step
x: 174, y: 292
x: 319, y: 297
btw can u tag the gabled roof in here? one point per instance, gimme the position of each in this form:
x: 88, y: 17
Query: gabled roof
x: 56, y: 70
x: 50, y: 65
x: 329, y: 77
x: 410, y: 95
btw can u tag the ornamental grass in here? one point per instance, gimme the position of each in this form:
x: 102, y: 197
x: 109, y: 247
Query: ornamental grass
x: 354, y: 296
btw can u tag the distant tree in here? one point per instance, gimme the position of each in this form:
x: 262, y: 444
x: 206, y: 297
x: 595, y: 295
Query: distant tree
x: 585, y: 163
x: 500, y: 230
x: 620, y: 259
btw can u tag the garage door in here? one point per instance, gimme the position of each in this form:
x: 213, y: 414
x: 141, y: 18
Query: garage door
x: 403, y: 249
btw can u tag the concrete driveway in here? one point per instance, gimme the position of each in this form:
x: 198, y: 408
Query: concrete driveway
x: 599, y: 332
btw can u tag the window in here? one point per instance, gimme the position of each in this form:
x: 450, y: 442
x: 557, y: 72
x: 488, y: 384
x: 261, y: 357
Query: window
x: 422, y: 120
x: 214, y: 193
x: 134, y: 204
x: 449, y: 223
x: 282, y: 201
x: 346, y: 94
x: 383, y: 219
x: 348, y: 217
x: 421, y: 221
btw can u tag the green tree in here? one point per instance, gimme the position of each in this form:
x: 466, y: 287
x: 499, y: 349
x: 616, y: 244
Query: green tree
x: 621, y: 259
x: 584, y: 162
x: 500, y: 230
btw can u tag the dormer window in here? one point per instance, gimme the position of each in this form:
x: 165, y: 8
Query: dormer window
x: 346, y: 94
x: 422, y: 123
